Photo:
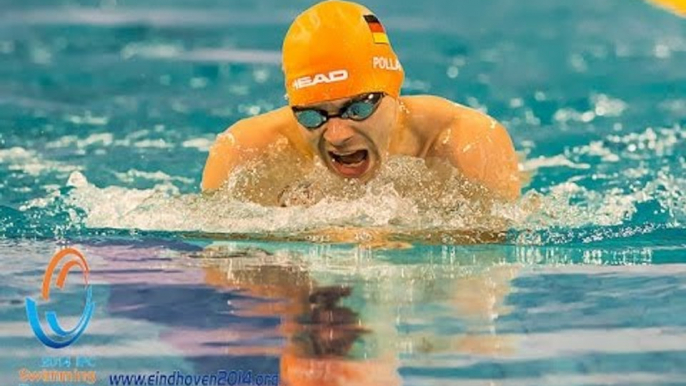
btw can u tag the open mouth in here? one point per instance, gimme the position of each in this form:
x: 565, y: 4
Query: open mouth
x: 353, y: 164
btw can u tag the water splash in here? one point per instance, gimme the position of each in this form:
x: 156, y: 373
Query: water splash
x: 615, y: 187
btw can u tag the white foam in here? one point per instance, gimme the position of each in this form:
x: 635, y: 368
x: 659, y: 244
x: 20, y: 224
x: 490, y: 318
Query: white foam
x: 30, y: 162
x: 133, y: 174
x: 201, y: 144
x: 551, y: 162
x: 405, y: 197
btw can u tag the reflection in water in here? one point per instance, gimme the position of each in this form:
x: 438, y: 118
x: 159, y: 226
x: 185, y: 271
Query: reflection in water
x: 345, y: 327
x: 328, y: 329
x: 333, y: 314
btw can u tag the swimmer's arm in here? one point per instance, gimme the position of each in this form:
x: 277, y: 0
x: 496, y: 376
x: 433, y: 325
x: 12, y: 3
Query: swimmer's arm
x: 245, y: 140
x: 480, y: 147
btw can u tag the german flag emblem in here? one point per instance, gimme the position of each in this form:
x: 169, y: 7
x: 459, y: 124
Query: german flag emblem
x: 378, y: 32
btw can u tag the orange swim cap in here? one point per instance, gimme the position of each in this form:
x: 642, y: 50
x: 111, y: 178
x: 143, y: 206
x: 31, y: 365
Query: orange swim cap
x: 338, y: 49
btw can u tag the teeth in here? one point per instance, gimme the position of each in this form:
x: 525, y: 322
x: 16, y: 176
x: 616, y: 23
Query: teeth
x: 349, y: 165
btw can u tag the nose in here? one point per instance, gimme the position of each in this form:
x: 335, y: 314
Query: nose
x: 337, y: 132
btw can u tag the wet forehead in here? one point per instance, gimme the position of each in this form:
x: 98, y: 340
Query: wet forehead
x: 330, y: 106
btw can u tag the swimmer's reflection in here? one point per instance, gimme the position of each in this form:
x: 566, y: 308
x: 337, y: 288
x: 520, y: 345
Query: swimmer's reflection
x: 328, y: 330
x: 320, y: 331
x: 352, y: 334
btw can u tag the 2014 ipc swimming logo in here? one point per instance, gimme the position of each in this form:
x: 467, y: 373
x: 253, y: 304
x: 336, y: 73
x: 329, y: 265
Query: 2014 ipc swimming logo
x: 60, y: 337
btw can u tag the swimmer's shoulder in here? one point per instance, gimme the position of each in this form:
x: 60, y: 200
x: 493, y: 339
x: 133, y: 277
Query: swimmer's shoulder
x: 438, y: 112
x: 434, y: 115
x: 475, y: 143
x: 249, y: 138
x: 258, y: 130
x: 429, y: 116
x: 263, y: 130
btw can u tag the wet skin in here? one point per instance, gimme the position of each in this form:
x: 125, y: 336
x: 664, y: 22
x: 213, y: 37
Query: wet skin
x: 427, y: 127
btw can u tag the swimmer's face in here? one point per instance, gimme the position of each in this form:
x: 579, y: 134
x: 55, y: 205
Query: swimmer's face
x: 351, y: 135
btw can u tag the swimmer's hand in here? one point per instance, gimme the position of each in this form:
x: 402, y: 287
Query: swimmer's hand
x: 302, y: 193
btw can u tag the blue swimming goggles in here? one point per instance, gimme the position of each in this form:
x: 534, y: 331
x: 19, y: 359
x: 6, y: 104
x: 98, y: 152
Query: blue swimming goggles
x: 358, y: 109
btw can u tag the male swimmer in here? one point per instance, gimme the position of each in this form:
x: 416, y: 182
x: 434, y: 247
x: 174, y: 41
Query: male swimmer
x: 345, y: 112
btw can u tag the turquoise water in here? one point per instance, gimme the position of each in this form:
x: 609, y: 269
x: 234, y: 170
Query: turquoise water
x: 107, y: 112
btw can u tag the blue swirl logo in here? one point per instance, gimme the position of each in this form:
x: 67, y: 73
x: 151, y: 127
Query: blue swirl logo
x: 61, y: 337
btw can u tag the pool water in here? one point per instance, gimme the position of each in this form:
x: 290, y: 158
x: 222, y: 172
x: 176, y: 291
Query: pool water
x: 107, y: 111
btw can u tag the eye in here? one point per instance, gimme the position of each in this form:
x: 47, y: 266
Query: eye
x: 311, y: 119
x: 360, y: 110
